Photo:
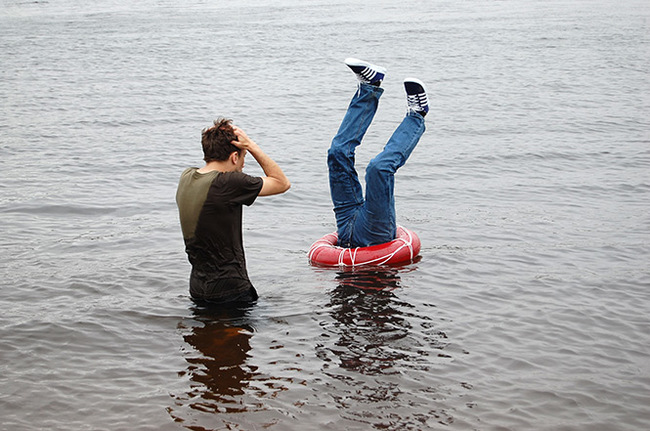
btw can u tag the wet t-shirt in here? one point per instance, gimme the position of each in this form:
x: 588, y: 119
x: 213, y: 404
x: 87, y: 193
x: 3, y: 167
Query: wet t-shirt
x: 210, y: 210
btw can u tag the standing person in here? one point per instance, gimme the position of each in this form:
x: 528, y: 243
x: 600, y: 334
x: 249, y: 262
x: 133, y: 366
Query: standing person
x: 210, y: 203
x: 364, y: 222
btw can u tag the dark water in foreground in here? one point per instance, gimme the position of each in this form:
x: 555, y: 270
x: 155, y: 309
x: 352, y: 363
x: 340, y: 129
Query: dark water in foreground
x: 530, y: 192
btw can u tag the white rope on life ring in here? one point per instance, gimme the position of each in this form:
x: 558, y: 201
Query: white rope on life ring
x: 404, y: 248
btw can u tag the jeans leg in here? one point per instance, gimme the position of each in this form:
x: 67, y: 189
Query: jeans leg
x: 345, y: 189
x: 375, y: 223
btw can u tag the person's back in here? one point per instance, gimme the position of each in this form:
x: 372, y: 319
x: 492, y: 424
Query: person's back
x: 210, y: 208
x: 210, y: 201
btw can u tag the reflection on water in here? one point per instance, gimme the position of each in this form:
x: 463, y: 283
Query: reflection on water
x: 375, y: 363
x: 368, y: 319
x: 217, y: 369
x: 380, y: 356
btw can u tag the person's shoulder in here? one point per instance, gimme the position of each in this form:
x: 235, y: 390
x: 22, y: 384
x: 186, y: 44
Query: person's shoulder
x: 238, y: 176
x: 241, y: 179
x: 189, y: 171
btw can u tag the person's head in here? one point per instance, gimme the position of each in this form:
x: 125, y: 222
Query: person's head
x: 216, y: 141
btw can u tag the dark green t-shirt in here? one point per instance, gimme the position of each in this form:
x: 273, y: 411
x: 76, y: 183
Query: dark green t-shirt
x: 210, y: 209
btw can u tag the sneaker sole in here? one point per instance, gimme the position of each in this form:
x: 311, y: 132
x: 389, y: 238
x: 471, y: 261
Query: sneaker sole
x: 360, y: 63
x: 418, y: 82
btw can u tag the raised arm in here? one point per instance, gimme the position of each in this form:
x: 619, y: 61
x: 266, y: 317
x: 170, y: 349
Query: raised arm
x: 275, y: 181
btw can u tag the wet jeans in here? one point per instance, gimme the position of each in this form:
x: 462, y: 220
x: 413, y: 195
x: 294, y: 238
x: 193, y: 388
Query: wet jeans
x: 363, y: 222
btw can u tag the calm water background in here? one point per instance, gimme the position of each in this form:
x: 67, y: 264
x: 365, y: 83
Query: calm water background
x: 530, y: 192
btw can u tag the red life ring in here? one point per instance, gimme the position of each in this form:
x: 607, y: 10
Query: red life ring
x: 402, y: 249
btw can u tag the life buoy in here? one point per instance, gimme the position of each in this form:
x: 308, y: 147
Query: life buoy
x: 404, y: 248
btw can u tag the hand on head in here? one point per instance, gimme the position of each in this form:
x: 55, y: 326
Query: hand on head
x: 242, y: 141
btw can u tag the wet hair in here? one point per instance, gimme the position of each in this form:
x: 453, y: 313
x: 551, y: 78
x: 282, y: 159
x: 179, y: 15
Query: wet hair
x: 216, y: 140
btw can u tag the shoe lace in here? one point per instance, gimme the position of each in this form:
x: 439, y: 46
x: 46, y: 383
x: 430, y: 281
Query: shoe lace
x: 417, y: 101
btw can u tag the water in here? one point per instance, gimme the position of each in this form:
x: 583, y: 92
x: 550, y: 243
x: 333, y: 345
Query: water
x: 530, y: 190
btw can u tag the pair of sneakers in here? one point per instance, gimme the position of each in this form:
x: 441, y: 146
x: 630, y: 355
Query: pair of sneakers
x: 367, y: 73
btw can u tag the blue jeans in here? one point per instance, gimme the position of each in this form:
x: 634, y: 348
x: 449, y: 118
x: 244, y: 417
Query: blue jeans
x: 363, y: 222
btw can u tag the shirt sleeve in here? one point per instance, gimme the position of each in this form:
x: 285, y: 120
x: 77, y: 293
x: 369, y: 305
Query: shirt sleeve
x: 243, y: 188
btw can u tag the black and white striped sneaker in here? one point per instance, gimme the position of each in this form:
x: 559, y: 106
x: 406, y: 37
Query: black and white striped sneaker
x: 416, y: 96
x: 366, y: 73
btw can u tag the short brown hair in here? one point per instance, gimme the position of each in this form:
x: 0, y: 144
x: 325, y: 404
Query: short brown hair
x: 216, y: 140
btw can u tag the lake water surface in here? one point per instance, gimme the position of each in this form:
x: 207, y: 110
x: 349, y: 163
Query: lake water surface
x: 530, y: 191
